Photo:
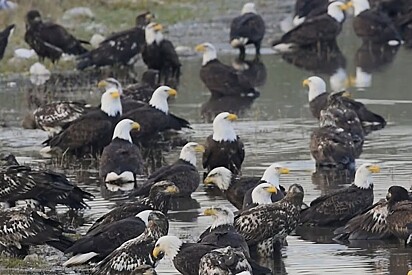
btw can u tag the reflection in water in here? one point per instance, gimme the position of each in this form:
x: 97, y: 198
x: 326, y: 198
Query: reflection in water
x: 184, y: 209
x: 233, y: 104
x: 331, y: 62
x: 253, y: 70
x: 329, y: 178
x: 370, y: 58
x: 315, y: 234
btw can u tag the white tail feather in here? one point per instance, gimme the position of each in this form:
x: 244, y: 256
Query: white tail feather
x: 79, y: 259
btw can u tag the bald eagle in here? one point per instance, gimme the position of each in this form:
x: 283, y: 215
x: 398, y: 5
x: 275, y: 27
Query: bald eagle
x: 159, y: 54
x: 373, y: 26
x: 48, y: 188
x: 99, y: 243
x: 90, y: 133
x: 267, y: 224
x: 221, y: 79
x: 155, y: 116
x: 54, y: 117
x: 337, y: 207
x: 121, y: 160
x: 233, y: 187
x: 119, y: 48
x: 224, y: 261
x: 50, y: 40
x: 248, y: 28
x: 314, y: 32
x: 223, y: 147
x: 222, y: 233
x: 305, y: 9
x: 158, y: 199
x: 318, y: 100
x: 22, y: 227
x: 4, y: 39
x: 135, y: 255
x: 186, y: 256
x: 183, y: 173
x: 263, y: 194
x: 399, y: 218
x: 369, y: 225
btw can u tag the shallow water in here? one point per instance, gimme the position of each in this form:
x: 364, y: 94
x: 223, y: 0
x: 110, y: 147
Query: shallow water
x: 275, y: 128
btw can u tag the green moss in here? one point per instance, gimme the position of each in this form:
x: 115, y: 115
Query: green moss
x: 7, y: 262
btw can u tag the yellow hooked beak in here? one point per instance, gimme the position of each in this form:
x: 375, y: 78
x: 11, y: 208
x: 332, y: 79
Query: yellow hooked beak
x: 172, y: 92
x: 209, y: 212
x: 347, y: 6
x: 136, y: 126
x: 284, y: 170
x: 200, y: 48
x: 158, y: 27
x: 272, y: 189
x: 208, y: 180
x: 172, y: 189
x: 149, y: 16
x: 374, y: 169
x: 410, y: 273
x: 115, y: 94
x: 305, y: 83
x: 347, y: 94
x: 102, y: 84
x: 200, y: 149
x: 231, y: 117
x: 156, y: 251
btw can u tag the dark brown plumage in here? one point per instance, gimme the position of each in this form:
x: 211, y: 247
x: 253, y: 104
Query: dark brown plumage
x: 221, y: 79
x: 372, y: 25
x: 399, y: 218
x: 22, y: 227
x: 121, y: 48
x: 121, y: 160
x: 337, y: 207
x: 158, y: 199
x: 50, y: 40
x: 159, y: 54
x: 314, y: 32
x: 90, y: 133
x: 305, y: 9
x: 264, y: 225
x: 248, y: 28
x: 183, y: 173
x: 223, y: 147
x: 4, y: 39
x: 46, y: 187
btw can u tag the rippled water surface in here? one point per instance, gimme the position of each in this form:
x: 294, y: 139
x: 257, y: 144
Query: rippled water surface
x: 275, y: 128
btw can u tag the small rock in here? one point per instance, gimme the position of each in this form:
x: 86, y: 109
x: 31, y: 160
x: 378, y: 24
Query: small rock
x: 7, y: 5
x: 96, y: 40
x: 39, y: 74
x: 184, y: 51
x: 24, y: 53
x: 31, y: 258
x: 78, y: 13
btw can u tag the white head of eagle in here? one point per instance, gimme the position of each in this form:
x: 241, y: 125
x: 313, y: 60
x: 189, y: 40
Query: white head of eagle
x: 248, y: 8
x: 316, y: 86
x: 123, y: 128
x: 221, y: 216
x: 272, y: 174
x: 262, y: 193
x: 363, y: 176
x: 167, y: 245
x: 110, y: 102
x: 109, y: 83
x: 335, y: 10
x: 359, y: 6
x: 209, y: 52
x: 188, y: 152
x: 220, y: 176
x: 222, y: 127
x: 160, y: 96
x: 153, y: 33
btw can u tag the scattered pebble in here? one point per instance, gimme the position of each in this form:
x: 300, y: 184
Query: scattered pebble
x: 78, y: 13
x: 96, y: 40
